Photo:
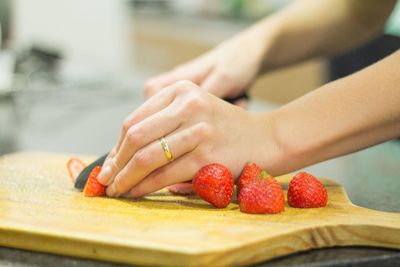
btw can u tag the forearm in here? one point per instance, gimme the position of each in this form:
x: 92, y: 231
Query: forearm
x: 314, y: 28
x: 341, y: 117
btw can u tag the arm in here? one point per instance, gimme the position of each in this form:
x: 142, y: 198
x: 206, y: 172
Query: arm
x: 313, y: 28
x: 341, y: 117
x: 306, y: 28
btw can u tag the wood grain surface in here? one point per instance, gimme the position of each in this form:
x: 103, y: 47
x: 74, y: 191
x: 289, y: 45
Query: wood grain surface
x: 41, y: 211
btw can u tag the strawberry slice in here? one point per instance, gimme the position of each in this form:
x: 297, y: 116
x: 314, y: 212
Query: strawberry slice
x: 181, y: 189
x: 93, y: 188
x: 75, y: 167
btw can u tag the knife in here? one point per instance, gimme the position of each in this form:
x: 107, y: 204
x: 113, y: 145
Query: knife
x: 239, y: 97
x: 84, y: 175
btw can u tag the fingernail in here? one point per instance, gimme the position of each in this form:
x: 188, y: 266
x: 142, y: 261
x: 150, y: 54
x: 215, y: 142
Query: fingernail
x: 104, y: 175
x: 111, y: 190
x: 107, y: 161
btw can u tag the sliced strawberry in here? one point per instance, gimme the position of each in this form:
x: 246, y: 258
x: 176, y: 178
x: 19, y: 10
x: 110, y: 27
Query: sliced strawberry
x: 181, y: 188
x: 93, y: 188
x: 75, y: 167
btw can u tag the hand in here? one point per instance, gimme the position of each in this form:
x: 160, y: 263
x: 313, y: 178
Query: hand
x: 199, y: 129
x: 226, y: 71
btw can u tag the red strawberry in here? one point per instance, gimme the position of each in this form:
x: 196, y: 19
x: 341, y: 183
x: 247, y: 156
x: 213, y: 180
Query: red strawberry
x: 263, y: 194
x: 249, y: 172
x: 306, y: 191
x: 75, y: 166
x: 181, y: 188
x: 93, y: 188
x: 214, y: 183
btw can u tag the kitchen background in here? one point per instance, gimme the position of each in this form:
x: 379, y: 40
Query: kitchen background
x: 71, y: 70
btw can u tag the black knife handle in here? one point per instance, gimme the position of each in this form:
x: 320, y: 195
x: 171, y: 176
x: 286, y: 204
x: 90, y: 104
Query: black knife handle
x: 234, y: 99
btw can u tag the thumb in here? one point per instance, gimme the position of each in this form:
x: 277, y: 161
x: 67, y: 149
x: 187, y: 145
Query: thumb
x: 191, y: 72
x: 217, y: 84
x: 157, y: 83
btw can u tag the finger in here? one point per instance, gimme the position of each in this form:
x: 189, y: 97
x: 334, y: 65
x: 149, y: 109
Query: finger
x: 178, y: 171
x: 195, y: 72
x: 185, y: 188
x: 151, y: 106
x: 108, y: 160
x: 158, y: 126
x: 243, y: 103
x: 138, y: 136
x: 215, y: 84
x: 155, y: 84
x: 152, y: 157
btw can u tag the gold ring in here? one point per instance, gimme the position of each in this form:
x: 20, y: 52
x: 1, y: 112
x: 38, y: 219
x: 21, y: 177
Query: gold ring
x: 166, y: 150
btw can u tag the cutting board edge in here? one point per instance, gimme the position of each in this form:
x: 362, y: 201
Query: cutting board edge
x: 315, y: 238
x: 90, y: 249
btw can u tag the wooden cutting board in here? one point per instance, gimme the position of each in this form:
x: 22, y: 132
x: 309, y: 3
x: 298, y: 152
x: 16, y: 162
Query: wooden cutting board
x: 40, y: 210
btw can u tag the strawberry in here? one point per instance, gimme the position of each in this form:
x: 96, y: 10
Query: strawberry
x: 306, y: 191
x: 249, y: 172
x: 262, y: 194
x: 214, y: 184
x: 93, y: 188
x: 75, y: 166
x: 185, y: 188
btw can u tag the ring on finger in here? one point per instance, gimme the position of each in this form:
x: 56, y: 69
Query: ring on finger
x: 165, y: 148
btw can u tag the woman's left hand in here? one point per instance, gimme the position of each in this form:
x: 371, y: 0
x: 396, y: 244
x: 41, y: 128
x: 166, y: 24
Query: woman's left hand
x: 199, y: 129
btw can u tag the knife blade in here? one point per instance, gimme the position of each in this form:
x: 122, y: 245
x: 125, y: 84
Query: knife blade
x: 84, y: 175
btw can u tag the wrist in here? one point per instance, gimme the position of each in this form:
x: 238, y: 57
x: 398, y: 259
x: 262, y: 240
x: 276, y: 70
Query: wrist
x: 271, y: 152
x: 258, y: 40
x: 266, y: 33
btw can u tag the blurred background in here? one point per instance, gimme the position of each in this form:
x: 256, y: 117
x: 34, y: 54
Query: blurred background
x: 71, y: 70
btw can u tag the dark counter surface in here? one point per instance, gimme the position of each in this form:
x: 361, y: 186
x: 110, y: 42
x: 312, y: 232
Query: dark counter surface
x: 333, y: 257
x: 65, y: 120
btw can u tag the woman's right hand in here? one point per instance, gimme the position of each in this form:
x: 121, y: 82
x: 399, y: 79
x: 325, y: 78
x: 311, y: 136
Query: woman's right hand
x: 226, y: 71
x: 199, y: 128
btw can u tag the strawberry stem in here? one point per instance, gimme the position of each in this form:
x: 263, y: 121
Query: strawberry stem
x: 264, y: 175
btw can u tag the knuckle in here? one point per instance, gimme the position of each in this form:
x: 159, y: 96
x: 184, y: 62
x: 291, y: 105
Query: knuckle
x: 126, y: 125
x: 111, y: 155
x: 148, y: 89
x: 158, y: 182
x: 183, y: 87
x: 120, y: 185
x: 142, y: 159
x: 205, y: 130
x: 115, y: 165
x: 223, y: 75
x: 196, y: 103
x: 187, y: 136
x: 185, y: 84
x: 134, y: 136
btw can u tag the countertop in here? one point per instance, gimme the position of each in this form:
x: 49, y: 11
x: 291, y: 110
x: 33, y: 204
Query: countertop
x: 64, y: 119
